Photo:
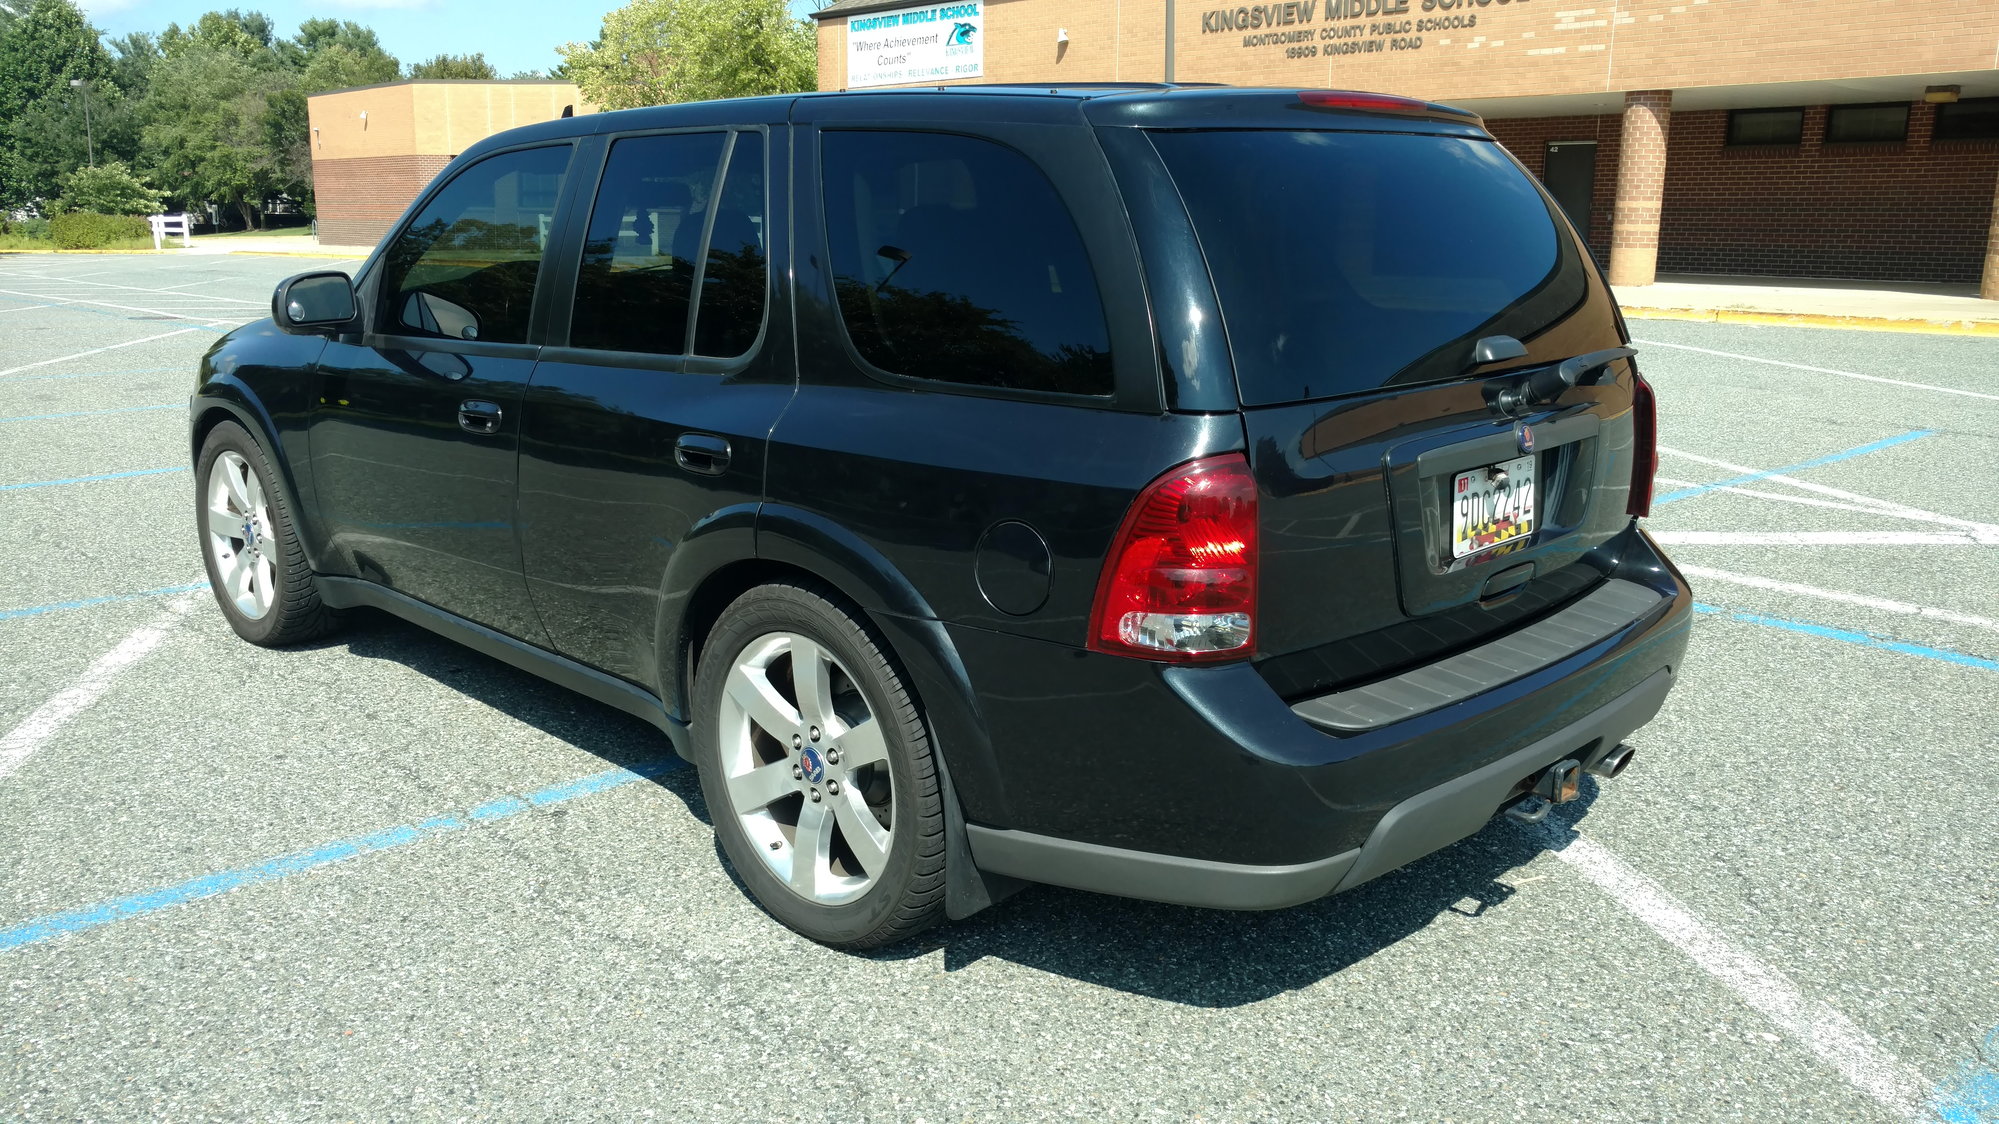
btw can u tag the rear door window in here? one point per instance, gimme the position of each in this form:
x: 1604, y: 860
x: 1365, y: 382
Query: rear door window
x: 636, y: 279
x: 732, y: 274
x: 955, y: 260
x: 465, y: 267
x: 1350, y: 261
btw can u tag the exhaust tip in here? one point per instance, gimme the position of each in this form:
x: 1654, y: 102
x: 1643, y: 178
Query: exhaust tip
x: 1613, y: 763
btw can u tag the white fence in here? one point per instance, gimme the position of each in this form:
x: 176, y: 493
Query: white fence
x: 167, y: 226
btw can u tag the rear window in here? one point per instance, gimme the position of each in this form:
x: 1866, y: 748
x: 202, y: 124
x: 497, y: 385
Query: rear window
x: 1350, y: 261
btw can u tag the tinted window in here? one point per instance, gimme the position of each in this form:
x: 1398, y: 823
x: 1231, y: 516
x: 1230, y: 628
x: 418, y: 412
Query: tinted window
x: 1867, y: 122
x: 637, y: 274
x: 732, y: 278
x: 956, y: 260
x: 1347, y: 261
x: 1971, y: 119
x: 466, y: 266
x: 1766, y: 126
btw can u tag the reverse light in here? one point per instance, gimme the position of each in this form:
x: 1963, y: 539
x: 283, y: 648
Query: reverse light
x: 1644, y: 445
x: 1179, y: 583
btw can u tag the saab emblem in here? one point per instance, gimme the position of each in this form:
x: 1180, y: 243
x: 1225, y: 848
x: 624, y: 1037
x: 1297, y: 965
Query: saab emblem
x: 813, y: 765
x: 1524, y: 433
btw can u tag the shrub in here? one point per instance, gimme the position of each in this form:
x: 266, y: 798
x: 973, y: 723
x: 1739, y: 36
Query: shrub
x: 108, y: 189
x: 25, y: 228
x: 87, y: 230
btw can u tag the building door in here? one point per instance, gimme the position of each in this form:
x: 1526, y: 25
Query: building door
x: 1571, y: 178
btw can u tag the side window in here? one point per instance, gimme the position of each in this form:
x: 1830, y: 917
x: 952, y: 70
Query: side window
x: 955, y: 260
x: 466, y: 266
x: 732, y: 279
x: 637, y: 274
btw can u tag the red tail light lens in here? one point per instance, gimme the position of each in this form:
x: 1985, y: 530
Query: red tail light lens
x: 1180, y: 581
x: 1349, y: 99
x: 1644, y: 445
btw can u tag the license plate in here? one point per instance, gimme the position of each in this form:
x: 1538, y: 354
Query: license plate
x: 1492, y: 506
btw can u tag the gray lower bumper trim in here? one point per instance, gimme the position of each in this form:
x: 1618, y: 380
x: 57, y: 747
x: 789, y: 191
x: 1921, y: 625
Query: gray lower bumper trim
x: 1611, y: 606
x: 1434, y: 818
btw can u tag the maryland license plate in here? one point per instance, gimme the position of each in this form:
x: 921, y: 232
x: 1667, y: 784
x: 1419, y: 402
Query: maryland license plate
x: 1492, y: 506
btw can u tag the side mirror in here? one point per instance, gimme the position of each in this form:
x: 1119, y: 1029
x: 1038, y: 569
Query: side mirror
x: 314, y: 304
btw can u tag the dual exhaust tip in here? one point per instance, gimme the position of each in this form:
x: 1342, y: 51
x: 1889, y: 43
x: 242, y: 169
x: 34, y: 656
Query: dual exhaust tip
x: 1562, y: 782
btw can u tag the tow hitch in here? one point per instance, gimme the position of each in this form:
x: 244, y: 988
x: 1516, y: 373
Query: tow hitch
x: 1559, y: 784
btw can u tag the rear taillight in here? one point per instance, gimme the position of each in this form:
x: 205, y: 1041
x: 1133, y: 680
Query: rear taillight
x: 1179, y: 583
x: 1644, y: 445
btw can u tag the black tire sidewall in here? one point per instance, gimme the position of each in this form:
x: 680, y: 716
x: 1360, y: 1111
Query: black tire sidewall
x: 268, y: 629
x: 884, y: 913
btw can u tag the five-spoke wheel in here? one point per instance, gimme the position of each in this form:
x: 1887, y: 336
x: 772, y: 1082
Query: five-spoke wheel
x: 254, y: 561
x: 239, y: 534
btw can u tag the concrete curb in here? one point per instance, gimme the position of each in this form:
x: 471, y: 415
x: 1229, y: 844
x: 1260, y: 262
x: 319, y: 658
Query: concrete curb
x: 1809, y: 320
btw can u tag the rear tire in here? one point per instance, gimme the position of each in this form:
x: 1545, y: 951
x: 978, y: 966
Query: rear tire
x: 818, y: 772
x: 249, y: 546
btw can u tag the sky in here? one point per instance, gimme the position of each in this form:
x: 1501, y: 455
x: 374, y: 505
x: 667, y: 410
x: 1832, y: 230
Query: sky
x: 514, y: 35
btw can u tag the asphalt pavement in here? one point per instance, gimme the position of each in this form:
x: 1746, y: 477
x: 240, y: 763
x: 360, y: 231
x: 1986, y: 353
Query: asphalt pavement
x: 383, y: 877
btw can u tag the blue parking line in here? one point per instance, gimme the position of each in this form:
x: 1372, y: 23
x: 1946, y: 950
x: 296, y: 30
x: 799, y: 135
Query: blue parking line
x: 97, y: 374
x: 1830, y: 458
x: 1971, y: 1096
x: 95, y: 413
x: 298, y: 862
x: 1864, y: 639
x: 91, y: 479
x: 90, y: 602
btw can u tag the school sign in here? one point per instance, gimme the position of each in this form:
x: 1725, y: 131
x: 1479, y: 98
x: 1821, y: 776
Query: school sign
x: 932, y: 43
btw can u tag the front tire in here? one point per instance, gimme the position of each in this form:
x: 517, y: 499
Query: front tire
x: 249, y: 545
x: 818, y: 772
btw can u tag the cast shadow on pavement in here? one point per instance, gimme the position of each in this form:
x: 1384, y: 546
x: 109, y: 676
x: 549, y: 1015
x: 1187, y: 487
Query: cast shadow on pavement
x: 1194, y: 957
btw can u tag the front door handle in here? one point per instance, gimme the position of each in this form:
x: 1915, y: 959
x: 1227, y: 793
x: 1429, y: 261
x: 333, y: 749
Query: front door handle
x: 702, y: 453
x: 482, y: 418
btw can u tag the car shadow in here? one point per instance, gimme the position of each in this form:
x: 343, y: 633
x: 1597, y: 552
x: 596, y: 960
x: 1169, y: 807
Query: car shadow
x: 1193, y: 957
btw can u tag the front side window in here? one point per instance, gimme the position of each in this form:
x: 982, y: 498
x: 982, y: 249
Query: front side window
x: 955, y: 260
x: 465, y: 268
x: 636, y: 279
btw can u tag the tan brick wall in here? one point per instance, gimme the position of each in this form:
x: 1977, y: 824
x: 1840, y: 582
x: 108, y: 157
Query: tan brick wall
x: 1641, y: 187
x: 360, y: 197
x: 1510, y: 48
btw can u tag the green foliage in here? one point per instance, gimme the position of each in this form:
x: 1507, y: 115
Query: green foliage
x: 25, y: 228
x: 207, y: 110
x: 653, y: 52
x: 83, y: 230
x: 108, y: 189
x: 337, y: 55
x: 40, y: 53
x: 454, y: 66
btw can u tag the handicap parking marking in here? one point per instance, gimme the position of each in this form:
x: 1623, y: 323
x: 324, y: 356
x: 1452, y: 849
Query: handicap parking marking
x: 1820, y: 370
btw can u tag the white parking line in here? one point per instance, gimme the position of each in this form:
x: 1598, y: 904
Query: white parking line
x: 173, y: 313
x: 1886, y: 507
x: 1882, y: 603
x: 1980, y: 531
x: 96, y: 351
x: 38, y: 727
x: 1819, y: 1028
x: 1819, y: 370
x: 74, y: 283
x: 1818, y: 538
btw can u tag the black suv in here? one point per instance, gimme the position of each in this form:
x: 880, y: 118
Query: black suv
x: 1214, y: 496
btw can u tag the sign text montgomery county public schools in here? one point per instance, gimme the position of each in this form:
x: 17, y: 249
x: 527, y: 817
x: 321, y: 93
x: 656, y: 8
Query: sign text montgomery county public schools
x: 1350, y: 27
x: 924, y: 44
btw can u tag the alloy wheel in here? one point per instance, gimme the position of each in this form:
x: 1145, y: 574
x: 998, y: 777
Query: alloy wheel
x: 239, y: 533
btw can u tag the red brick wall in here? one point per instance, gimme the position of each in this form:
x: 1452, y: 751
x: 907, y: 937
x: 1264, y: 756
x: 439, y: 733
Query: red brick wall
x: 360, y: 198
x: 1918, y: 210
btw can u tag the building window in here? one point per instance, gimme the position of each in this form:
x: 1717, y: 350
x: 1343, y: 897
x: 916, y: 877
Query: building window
x: 1846, y: 124
x: 1971, y: 119
x: 1766, y: 126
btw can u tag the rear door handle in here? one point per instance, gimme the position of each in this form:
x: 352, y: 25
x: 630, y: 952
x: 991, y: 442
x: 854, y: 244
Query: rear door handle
x: 702, y: 453
x: 482, y: 418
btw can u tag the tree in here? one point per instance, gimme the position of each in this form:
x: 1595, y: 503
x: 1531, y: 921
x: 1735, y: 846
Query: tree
x: 206, y: 134
x: 455, y: 66
x: 337, y: 55
x: 40, y: 52
x: 108, y: 189
x: 653, y: 52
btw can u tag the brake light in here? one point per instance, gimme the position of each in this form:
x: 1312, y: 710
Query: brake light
x: 1644, y: 445
x: 1179, y: 583
x: 1375, y: 103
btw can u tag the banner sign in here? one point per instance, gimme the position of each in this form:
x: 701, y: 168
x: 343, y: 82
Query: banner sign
x: 931, y: 43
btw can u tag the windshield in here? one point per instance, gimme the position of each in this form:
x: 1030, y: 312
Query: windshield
x: 1350, y: 261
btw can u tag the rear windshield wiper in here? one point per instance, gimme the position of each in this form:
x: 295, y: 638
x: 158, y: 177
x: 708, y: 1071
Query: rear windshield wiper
x: 1548, y: 383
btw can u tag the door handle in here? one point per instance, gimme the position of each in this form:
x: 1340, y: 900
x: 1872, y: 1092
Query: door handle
x: 482, y: 418
x: 702, y: 453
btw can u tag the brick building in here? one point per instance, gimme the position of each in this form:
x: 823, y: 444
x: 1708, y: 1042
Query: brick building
x: 374, y: 148
x: 1824, y: 138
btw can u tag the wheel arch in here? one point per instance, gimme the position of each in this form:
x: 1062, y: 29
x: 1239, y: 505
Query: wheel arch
x: 224, y: 398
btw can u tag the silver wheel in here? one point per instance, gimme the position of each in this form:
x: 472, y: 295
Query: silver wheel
x: 805, y: 768
x: 239, y: 535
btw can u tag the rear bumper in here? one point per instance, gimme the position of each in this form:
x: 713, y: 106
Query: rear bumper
x: 1201, y: 786
x: 1423, y: 823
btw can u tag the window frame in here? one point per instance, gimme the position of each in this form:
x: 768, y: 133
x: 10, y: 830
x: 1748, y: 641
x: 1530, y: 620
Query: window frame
x: 1728, y: 135
x: 1127, y: 392
x: 382, y: 329
x: 1832, y: 114
x: 1938, y: 128
x: 576, y: 227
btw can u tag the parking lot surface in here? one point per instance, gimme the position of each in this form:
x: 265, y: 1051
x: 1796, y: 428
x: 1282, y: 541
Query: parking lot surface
x: 385, y: 877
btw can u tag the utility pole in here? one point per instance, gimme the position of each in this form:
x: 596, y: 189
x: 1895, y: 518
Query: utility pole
x: 89, y: 144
